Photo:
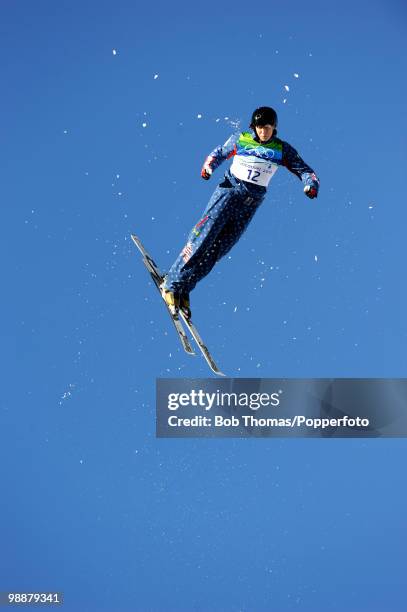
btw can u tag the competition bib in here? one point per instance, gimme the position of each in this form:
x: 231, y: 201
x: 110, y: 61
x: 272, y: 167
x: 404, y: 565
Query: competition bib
x: 253, y: 169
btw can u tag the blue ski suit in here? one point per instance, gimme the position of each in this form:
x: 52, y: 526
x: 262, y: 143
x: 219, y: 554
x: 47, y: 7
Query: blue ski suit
x: 233, y: 203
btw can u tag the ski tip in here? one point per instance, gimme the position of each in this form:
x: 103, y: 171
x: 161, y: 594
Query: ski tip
x: 214, y: 367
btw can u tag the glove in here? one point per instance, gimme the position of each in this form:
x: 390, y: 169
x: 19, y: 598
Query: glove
x: 207, y: 169
x: 311, y: 191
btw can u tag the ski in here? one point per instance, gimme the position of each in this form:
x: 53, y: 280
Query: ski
x: 157, y: 278
x: 202, y: 347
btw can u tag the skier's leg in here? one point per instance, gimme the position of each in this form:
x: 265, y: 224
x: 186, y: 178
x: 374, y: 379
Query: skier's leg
x: 241, y: 213
x: 235, y: 228
x: 198, y: 256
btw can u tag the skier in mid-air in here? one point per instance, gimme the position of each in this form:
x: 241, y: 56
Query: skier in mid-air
x: 256, y: 157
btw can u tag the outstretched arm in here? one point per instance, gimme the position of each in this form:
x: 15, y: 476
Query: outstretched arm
x: 305, y: 173
x: 219, y: 155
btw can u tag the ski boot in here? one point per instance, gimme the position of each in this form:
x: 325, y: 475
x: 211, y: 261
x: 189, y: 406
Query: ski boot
x: 170, y: 298
x: 176, y: 301
x: 184, y: 305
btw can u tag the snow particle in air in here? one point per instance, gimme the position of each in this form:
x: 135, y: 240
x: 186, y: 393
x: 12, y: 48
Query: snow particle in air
x: 286, y: 88
x: 316, y: 257
x: 68, y: 393
x: 114, y: 51
x: 199, y: 116
x: 296, y: 75
x: 155, y: 77
x: 144, y: 125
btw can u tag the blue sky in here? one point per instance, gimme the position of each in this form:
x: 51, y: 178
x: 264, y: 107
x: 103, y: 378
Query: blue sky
x: 95, y: 505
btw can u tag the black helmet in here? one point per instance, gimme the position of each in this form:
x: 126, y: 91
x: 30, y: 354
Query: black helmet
x: 264, y: 116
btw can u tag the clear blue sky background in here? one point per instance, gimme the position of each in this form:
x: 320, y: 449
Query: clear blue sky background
x: 92, y: 504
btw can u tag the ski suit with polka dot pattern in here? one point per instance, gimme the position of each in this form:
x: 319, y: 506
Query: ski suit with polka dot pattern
x: 228, y: 213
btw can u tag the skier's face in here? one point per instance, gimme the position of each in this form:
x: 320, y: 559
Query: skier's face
x: 264, y: 132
